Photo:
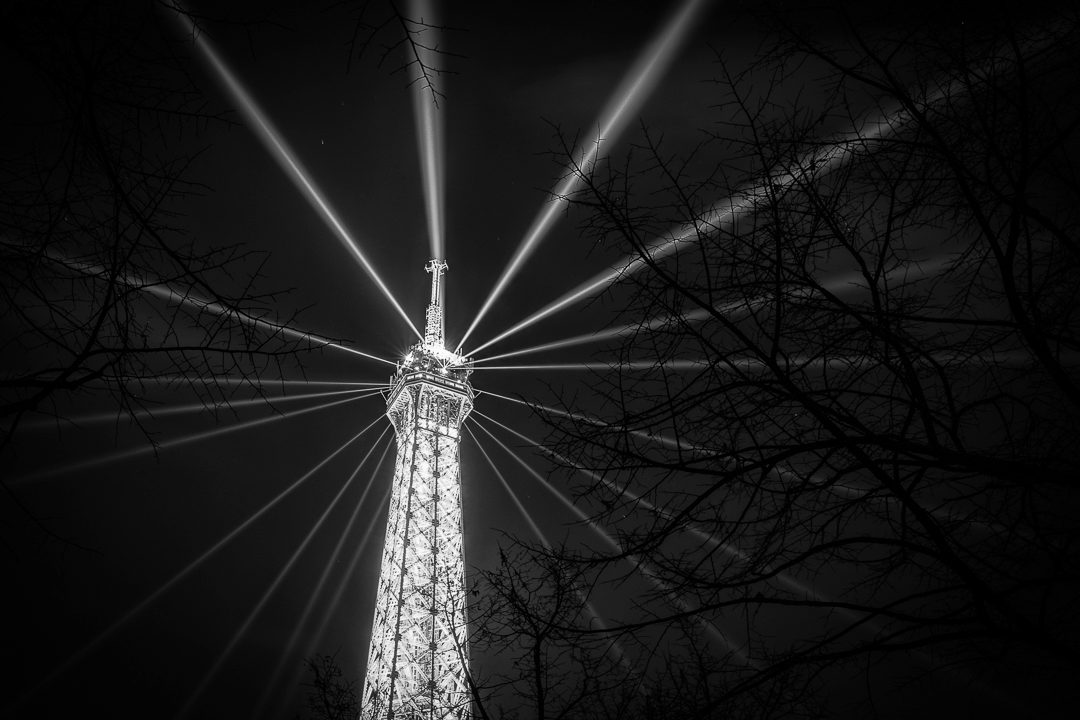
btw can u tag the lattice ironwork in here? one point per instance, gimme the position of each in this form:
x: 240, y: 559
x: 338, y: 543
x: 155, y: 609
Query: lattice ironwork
x: 419, y: 652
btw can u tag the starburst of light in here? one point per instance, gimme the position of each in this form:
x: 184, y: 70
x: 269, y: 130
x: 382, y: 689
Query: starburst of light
x: 102, y: 637
x: 807, y: 169
x: 284, y: 657
x: 286, y: 158
x: 625, y: 103
x: 241, y: 631
x: 149, y: 449
x: 171, y: 295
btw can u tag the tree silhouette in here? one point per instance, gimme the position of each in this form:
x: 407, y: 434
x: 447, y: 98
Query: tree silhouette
x: 524, y: 623
x: 330, y: 696
x: 100, y: 285
x: 841, y: 423
x: 409, y: 38
x: 536, y: 655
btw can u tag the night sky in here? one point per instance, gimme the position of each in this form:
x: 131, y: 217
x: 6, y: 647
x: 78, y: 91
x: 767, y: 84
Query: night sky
x: 518, y: 78
x: 105, y: 611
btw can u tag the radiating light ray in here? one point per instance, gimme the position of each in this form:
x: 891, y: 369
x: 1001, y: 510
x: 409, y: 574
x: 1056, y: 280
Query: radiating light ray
x: 236, y: 638
x: 573, y: 341
x: 583, y: 290
x: 600, y: 335
x: 791, y: 363
x: 635, y: 263
x: 662, y: 439
x: 429, y: 126
x: 608, y: 367
x: 286, y: 158
x: 172, y: 582
x: 846, y: 491
x: 315, y: 594
x: 162, y: 290
x: 727, y: 548
x: 331, y: 607
x: 644, y: 568
x: 616, y: 646
x: 168, y: 410
x: 960, y: 521
x: 613, y: 332
x: 829, y: 156
x: 909, y: 272
x: 550, y: 366
x: 624, y: 104
x: 255, y: 382
x: 510, y: 491
x: 578, y: 512
x: 741, y: 364
x: 682, y: 606
x: 175, y: 442
x: 636, y: 562
x: 654, y: 437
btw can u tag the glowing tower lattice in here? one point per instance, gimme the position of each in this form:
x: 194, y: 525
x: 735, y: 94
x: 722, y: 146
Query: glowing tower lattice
x: 419, y: 654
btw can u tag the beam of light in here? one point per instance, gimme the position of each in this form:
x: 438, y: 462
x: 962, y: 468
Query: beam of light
x: 635, y: 365
x: 148, y: 449
x: 615, y: 648
x: 165, y: 411
x: 829, y: 156
x: 316, y: 593
x: 510, y: 491
x: 172, y: 582
x: 624, y: 104
x: 578, y: 512
x: 633, y: 264
x: 241, y: 631
x: 634, y: 499
x: 727, y: 548
x: 859, y: 621
x: 909, y: 272
x: 654, y: 437
x: 255, y: 382
x: 170, y: 295
x: 598, y: 336
x: 677, y: 601
x: 846, y: 491
x: 350, y: 568
x: 560, y: 344
x: 354, y: 561
x: 606, y: 367
x: 808, y: 592
x: 274, y: 142
x: 429, y: 126
x: 790, y: 364
x: 636, y: 562
x: 549, y: 366
x: 613, y: 332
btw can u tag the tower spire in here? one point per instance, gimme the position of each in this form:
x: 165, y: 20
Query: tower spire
x: 434, y: 332
x: 418, y: 661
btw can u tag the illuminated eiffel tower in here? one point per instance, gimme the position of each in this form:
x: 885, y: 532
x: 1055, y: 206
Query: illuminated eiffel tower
x: 419, y: 654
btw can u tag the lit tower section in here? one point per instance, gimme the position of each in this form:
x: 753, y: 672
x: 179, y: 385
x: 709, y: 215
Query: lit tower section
x: 417, y: 663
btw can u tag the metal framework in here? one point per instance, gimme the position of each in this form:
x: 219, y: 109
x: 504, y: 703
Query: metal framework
x: 419, y: 652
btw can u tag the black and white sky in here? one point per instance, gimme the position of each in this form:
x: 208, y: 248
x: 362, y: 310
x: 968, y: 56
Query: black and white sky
x: 80, y: 631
